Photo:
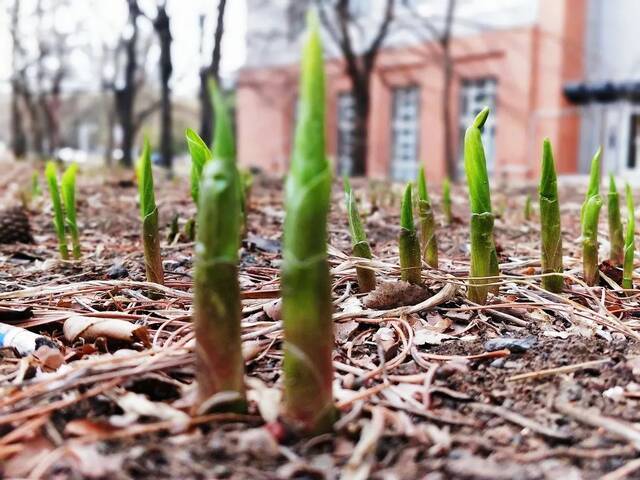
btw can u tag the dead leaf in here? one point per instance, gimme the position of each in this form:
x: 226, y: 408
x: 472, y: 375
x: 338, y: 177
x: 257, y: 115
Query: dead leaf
x: 91, y: 328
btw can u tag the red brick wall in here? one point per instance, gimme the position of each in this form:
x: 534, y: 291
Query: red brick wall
x: 530, y: 65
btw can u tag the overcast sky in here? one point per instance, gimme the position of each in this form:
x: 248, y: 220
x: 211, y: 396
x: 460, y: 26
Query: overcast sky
x: 103, y: 20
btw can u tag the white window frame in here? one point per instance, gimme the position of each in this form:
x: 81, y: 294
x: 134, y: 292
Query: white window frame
x: 345, y: 123
x: 475, y: 94
x: 405, y: 132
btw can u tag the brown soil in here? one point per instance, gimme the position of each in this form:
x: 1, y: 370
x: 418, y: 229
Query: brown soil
x: 451, y: 392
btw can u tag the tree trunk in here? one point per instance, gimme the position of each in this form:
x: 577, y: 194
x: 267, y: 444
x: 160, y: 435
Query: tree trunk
x: 125, y: 97
x: 360, y: 140
x: 447, y: 71
x: 18, y: 136
x: 162, y: 27
x: 211, y: 71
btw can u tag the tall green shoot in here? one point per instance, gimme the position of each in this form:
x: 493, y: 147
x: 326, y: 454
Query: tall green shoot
x: 428, y: 240
x: 594, y: 180
x: 446, y: 201
x: 149, y: 216
x: 410, y: 262
x: 629, y: 242
x: 69, y: 199
x: 306, y: 286
x: 616, y: 239
x: 361, y: 248
x: 51, y: 173
x: 217, y: 308
x: 550, y: 229
x: 591, y: 214
x: 484, y: 259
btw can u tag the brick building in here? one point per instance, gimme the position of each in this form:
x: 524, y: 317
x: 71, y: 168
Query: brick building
x: 515, y: 56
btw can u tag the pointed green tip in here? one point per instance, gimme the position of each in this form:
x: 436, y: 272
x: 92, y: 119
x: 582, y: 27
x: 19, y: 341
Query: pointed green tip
x: 548, y: 179
x: 406, y: 211
x: 481, y: 118
x: 313, y: 24
x: 612, y: 184
x: 423, y: 194
x: 347, y: 184
x: 223, y: 143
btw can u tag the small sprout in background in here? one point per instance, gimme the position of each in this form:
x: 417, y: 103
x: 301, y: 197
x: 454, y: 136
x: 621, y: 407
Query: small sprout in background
x: 616, y: 240
x: 594, y: 180
x: 361, y: 248
x: 174, y: 229
x: 629, y: 242
x: 484, y: 259
x: 550, y: 230
x: 528, y: 208
x: 36, y: 191
x: 200, y: 155
x: 149, y: 216
x: 217, y: 308
x: 69, y: 199
x: 51, y: 173
x: 428, y: 240
x: 410, y: 262
x: 591, y: 213
x: 306, y: 284
x: 446, y: 201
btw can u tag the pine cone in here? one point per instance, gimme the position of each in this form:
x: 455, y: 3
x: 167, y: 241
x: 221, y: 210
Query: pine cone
x: 14, y: 226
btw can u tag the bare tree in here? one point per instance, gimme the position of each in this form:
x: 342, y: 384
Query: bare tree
x: 161, y: 25
x: 340, y: 25
x: 447, y: 79
x: 212, y: 70
x: 125, y: 94
x: 18, y: 135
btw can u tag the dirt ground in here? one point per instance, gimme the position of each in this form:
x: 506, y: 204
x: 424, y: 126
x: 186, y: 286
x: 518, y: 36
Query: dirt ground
x: 530, y: 386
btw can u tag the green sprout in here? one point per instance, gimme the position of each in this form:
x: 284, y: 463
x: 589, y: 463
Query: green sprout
x: 484, y: 259
x: 616, y: 240
x: 149, y: 216
x: 361, y: 248
x: 200, y: 155
x: 528, y: 208
x: 306, y: 286
x: 591, y: 212
x: 594, y: 180
x: 217, y: 308
x: 446, y: 201
x: 428, y: 241
x: 629, y: 242
x: 550, y: 230
x: 51, y: 173
x: 69, y: 198
x: 410, y: 263
x: 36, y: 191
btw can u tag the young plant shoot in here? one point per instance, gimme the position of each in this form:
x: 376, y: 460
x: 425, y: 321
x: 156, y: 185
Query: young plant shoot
x: 591, y: 213
x: 484, y: 259
x: 428, y: 241
x: 594, y: 180
x: 200, y: 155
x: 149, y: 216
x: 629, y: 242
x: 528, y: 208
x: 446, y: 201
x: 410, y: 262
x: 69, y: 199
x: 217, y: 308
x: 551, y: 234
x: 616, y: 240
x: 51, y: 173
x: 361, y: 248
x: 306, y: 286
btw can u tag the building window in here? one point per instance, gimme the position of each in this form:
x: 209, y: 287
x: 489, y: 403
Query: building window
x: 404, y: 133
x: 475, y: 95
x: 634, y: 142
x: 346, y: 127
